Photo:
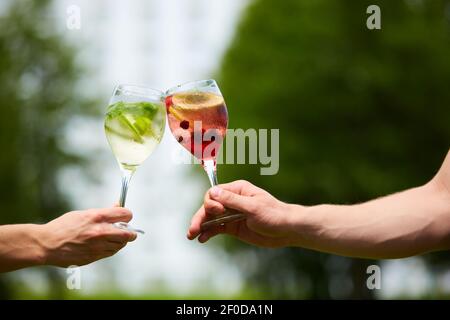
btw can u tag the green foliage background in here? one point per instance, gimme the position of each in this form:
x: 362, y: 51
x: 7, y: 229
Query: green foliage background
x: 361, y: 114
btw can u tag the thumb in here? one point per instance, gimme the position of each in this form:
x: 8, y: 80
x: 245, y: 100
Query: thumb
x: 232, y: 200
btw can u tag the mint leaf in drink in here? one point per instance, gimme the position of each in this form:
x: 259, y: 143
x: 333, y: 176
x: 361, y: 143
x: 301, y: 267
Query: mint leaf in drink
x: 150, y: 109
x: 146, y: 109
x: 135, y: 118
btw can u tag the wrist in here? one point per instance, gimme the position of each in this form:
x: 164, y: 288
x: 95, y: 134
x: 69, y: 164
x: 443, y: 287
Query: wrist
x: 295, y: 219
x: 40, y: 251
x: 303, y: 224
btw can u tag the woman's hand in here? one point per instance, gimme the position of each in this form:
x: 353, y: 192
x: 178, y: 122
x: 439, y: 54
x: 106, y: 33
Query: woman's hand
x: 267, y: 219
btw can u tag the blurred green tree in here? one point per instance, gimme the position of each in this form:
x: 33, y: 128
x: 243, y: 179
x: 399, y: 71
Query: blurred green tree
x: 362, y: 113
x: 37, y: 80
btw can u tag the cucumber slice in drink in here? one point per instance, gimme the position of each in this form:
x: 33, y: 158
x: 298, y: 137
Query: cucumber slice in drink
x: 144, y: 126
x: 136, y: 135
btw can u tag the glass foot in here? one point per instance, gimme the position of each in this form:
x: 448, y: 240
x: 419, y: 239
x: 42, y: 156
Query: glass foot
x: 221, y: 220
x: 126, y: 226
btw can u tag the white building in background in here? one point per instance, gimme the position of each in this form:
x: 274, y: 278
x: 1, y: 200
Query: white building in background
x: 159, y: 43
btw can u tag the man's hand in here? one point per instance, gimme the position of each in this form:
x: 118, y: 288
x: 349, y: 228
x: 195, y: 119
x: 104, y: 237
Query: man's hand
x: 82, y: 237
x: 266, y: 222
x: 403, y: 224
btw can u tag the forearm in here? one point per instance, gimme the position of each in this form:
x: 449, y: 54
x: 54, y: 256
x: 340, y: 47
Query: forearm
x: 20, y: 246
x: 400, y: 225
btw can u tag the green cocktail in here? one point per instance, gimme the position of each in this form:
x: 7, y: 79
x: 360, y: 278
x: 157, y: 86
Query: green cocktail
x: 134, y: 130
x: 134, y: 126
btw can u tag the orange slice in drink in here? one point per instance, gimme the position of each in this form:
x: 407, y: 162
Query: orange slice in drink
x: 189, y: 101
x: 188, y: 106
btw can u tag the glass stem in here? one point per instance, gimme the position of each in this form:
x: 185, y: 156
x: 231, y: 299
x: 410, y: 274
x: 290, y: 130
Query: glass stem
x: 210, y: 168
x: 126, y: 178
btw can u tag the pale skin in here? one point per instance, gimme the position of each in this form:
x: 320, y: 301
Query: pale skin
x: 75, y: 238
x: 403, y: 224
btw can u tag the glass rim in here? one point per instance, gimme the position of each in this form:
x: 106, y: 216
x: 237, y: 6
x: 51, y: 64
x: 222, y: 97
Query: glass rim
x: 137, y: 90
x: 192, y: 85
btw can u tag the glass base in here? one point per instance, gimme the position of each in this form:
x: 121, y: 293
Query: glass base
x: 126, y: 226
x: 221, y: 220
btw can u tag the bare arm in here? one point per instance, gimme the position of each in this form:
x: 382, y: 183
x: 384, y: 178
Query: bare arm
x: 20, y: 247
x: 411, y: 222
x: 404, y: 224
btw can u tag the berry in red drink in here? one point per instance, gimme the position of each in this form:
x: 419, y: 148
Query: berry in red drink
x: 184, y: 124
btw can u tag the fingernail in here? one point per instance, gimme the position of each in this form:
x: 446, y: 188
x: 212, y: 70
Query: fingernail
x: 215, y: 192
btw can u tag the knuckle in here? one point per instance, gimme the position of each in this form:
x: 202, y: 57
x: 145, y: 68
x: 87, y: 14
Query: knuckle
x: 128, y: 214
x: 131, y: 237
x: 209, y: 205
x: 96, y: 215
x: 243, y: 182
x: 124, y: 236
x: 124, y: 213
x: 83, y: 215
x: 218, y: 209
x: 97, y: 231
x: 226, y: 195
x: 87, y: 217
x: 102, y: 216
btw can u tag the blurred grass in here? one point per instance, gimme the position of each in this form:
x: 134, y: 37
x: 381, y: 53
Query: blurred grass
x: 118, y: 295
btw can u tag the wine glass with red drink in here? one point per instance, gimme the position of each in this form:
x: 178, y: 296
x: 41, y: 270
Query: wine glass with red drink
x: 198, y: 118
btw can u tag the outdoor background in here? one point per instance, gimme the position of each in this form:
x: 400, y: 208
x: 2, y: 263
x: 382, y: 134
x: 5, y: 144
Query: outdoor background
x: 361, y: 114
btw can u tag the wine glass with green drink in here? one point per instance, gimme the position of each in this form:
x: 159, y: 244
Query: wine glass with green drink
x: 134, y: 125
